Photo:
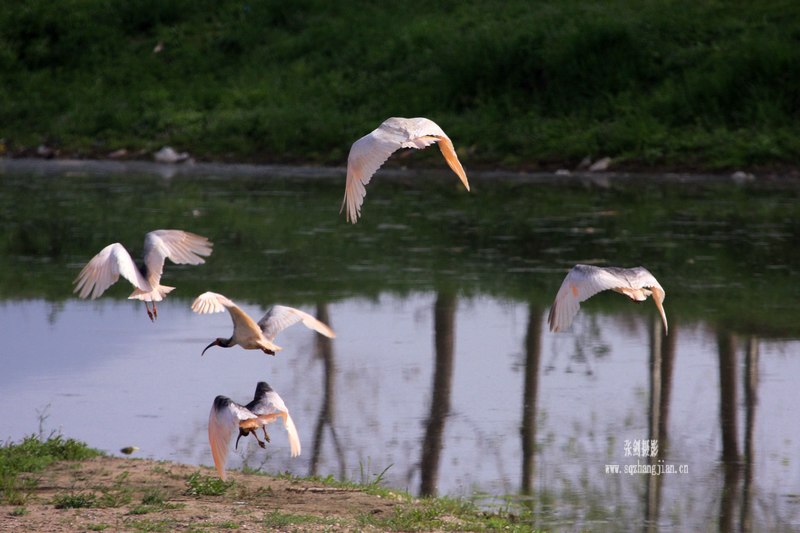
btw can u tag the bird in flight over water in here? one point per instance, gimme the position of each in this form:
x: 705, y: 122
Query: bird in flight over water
x: 584, y: 281
x: 180, y: 247
x: 227, y: 416
x: 372, y: 150
x: 252, y: 335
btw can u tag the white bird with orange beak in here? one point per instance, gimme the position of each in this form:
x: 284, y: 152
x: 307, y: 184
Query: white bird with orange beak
x: 372, y: 150
x: 584, y: 281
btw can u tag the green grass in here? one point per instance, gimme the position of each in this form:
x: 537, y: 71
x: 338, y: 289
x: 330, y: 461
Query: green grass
x: 33, y: 454
x: 446, y: 514
x: 202, y: 485
x: 532, y: 84
x: 76, y: 500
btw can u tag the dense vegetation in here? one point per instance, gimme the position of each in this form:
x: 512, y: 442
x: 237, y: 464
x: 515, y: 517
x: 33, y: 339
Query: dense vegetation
x: 677, y: 84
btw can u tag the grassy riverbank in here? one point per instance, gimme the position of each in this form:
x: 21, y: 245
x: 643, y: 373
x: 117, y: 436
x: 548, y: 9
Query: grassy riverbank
x: 57, y: 484
x: 680, y: 84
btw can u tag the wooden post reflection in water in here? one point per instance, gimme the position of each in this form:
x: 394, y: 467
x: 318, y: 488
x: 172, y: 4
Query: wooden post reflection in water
x: 444, y: 341
x: 325, y: 418
x: 533, y: 350
x: 726, y: 347
x: 662, y: 356
x: 750, y: 401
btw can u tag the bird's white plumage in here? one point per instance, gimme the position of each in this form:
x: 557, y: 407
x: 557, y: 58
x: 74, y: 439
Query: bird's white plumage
x: 584, y: 281
x: 280, y: 317
x: 251, y: 335
x: 371, y: 151
x: 104, y: 269
x: 228, y: 416
x: 180, y: 247
x: 211, y: 302
x: 246, y: 333
x: 222, y: 422
x: 270, y: 406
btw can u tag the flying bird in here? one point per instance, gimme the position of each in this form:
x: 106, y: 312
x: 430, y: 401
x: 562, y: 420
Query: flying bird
x: 252, y: 335
x: 372, y: 150
x: 584, y: 281
x: 227, y: 416
x: 180, y: 247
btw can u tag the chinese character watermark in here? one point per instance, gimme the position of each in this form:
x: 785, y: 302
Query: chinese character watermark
x: 641, y: 448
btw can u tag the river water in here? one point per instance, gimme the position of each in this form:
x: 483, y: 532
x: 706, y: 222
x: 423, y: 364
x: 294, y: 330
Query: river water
x: 443, y: 378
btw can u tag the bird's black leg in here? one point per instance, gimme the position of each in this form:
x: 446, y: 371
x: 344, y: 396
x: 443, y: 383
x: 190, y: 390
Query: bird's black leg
x: 266, y: 437
x: 149, y: 313
x: 155, y: 311
x: 259, y: 440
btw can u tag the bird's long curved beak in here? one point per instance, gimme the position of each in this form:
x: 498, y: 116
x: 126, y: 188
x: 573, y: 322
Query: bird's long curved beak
x: 215, y: 343
x: 658, y: 297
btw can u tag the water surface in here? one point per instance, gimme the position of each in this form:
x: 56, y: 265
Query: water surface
x: 443, y: 375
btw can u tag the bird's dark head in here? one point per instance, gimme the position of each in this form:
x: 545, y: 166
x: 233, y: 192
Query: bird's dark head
x: 221, y: 402
x: 262, y: 387
x: 225, y: 343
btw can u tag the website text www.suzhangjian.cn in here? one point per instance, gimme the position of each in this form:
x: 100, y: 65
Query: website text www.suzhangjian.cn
x: 655, y: 469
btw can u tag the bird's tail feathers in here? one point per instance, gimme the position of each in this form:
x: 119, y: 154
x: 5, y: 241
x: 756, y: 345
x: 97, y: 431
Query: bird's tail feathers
x: 156, y: 295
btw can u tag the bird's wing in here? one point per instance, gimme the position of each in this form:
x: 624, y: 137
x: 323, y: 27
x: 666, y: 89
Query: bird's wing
x: 581, y: 283
x: 372, y: 150
x: 104, y: 270
x: 366, y: 156
x: 280, y: 317
x: 294, y: 438
x: 222, y: 422
x: 180, y: 247
x: 212, y: 302
x: 640, y: 277
x: 268, y: 405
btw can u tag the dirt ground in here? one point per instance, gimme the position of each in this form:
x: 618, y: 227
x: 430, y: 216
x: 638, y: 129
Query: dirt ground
x: 253, y: 502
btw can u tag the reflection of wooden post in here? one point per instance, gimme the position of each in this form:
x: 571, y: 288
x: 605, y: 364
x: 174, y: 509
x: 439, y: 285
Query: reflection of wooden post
x: 750, y: 401
x: 727, y: 416
x: 325, y: 418
x: 727, y: 396
x: 653, y: 486
x: 533, y: 350
x: 444, y: 341
x: 669, y: 346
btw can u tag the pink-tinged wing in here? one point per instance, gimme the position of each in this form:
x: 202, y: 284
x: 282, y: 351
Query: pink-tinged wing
x: 269, y: 406
x: 105, y: 269
x: 581, y: 283
x: 371, y: 151
x: 280, y: 317
x: 180, y: 247
x: 366, y: 156
x: 223, y: 420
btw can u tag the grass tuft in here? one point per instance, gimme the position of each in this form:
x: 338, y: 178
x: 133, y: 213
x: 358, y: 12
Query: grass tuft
x: 201, y: 485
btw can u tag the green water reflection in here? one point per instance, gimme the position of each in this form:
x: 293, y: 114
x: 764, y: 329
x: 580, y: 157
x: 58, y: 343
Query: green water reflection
x: 724, y: 253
